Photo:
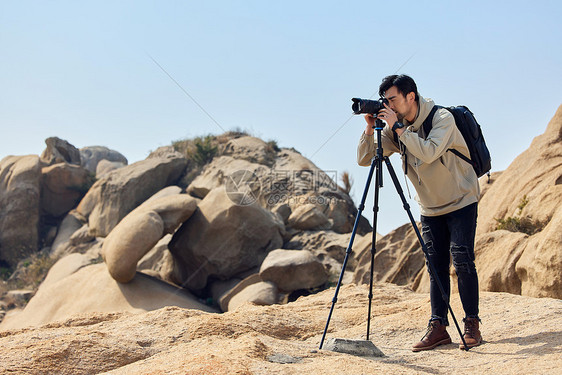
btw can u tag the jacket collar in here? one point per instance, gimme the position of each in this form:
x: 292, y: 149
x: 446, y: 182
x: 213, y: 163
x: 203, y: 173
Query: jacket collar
x: 424, y: 108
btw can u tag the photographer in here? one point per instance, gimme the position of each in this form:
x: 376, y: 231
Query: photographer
x: 447, y: 192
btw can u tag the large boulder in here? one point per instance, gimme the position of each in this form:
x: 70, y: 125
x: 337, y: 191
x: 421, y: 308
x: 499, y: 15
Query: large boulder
x: 20, y: 194
x: 251, y: 149
x: 292, y: 270
x: 77, y: 288
x: 253, y: 170
x: 223, y: 239
x: 250, y: 290
x: 398, y: 258
x: 307, y: 217
x: 60, y: 151
x: 113, y: 197
x: 92, y: 155
x: 106, y: 166
x: 63, y: 187
x: 238, y: 174
x: 528, y: 194
x: 141, y: 230
x: 69, y: 225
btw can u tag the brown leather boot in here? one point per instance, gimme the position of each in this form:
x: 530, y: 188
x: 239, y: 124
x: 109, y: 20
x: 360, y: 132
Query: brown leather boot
x: 436, y: 335
x: 472, y: 335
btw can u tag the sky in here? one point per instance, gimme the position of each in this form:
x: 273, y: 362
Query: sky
x: 137, y: 75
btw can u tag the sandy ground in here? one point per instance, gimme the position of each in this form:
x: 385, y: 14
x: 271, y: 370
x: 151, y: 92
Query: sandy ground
x: 522, y: 335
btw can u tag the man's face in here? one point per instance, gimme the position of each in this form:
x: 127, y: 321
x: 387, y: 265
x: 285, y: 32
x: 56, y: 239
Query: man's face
x: 403, y: 106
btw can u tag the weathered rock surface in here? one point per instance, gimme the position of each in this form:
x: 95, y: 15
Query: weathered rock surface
x: 258, y: 292
x: 113, y: 197
x: 308, y: 217
x: 141, y: 230
x: 60, y: 151
x: 78, y: 287
x: 226, y: 169
x: 285, y: 338
x: 398, y: 258
x: 91, y: 156
x: 251, y: 149
x: 69, y: 225
x: 63, y: 186
x: 106, y: 166
x: 291, y: 270
x: 223, y: 238
x: 20, y: 194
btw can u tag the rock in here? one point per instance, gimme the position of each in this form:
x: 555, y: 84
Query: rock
x: 113, y: 197
x: 330, y: 249
x: 251, y: 149
x: 91, y: 156
x: 91, y: 289
x: 81, y: 236
x: 363, y: 348
x: 529, y: 191
x: 19, y: 296
x: 167, y: 191
x: 541, y: 261
x: 157, y: 258
x: 282, y: 339
x: 66, y: 266
x: 20, y: 192
x: 60, y: 151
x: 128, y: 242
x: 398, y: 258
x: 233, y: 290
x: 63, y: 186
x: 141, y: 230
x: 221, y: 170
x: 106, y: 166
x: 70, y: 224
x: 292, y: 270
x: 307, y: 217
x: 165, y: 152
x: 283, y: 210
x: 222, y: 239
x: 261, y: 293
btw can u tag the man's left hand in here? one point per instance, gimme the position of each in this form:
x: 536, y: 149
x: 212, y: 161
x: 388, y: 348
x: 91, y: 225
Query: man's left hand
x: 390, y: 117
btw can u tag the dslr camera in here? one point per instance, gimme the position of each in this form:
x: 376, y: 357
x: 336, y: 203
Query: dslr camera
x: 368, y: 106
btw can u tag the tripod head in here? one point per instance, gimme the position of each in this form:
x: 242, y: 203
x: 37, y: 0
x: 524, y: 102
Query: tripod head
x: 379, y: 124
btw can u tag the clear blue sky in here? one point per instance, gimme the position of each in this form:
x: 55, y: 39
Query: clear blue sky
x: 284, y: 71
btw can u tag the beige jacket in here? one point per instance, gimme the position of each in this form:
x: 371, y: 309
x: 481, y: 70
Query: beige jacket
x: 444, y: 182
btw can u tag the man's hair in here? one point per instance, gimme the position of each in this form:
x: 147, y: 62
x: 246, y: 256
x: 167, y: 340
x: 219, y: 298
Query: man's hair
x: 403, y: 83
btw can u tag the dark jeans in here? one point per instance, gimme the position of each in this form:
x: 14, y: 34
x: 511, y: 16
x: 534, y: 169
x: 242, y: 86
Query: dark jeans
x: 446, y: 235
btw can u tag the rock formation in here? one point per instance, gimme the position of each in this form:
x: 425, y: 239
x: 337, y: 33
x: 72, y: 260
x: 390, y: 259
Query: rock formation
x: 244, y: 223
x: 114, y: 196
x: 20, y: 194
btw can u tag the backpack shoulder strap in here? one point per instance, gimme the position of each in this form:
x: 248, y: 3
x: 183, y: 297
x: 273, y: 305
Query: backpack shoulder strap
x: 428, y: 122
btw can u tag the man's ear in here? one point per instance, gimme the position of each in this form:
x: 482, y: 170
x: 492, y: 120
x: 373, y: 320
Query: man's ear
x: 411, y: 97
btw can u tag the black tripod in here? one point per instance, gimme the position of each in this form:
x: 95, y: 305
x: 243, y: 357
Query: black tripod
x: 376, y: 166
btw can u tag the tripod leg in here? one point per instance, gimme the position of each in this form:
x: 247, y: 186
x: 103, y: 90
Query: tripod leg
x: 423, y: 245
x: 378, y: 185
x: 374, y: 163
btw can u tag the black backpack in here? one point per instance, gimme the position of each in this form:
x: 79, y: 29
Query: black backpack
x: 472, y: 133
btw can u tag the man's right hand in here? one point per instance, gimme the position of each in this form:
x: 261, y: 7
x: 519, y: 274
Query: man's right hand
x: 370, y: 129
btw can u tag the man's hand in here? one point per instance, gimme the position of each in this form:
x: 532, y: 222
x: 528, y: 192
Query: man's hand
x: 390, y: 117
x: 387, y: 115
x: 369, y: 130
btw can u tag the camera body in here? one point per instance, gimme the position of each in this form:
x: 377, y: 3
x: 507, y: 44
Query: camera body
x: 368, y: 106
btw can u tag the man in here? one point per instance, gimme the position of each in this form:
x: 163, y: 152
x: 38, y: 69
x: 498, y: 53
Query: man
x: 447, y: 192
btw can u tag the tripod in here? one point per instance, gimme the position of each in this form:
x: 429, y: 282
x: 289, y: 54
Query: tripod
x: 376, y: 167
